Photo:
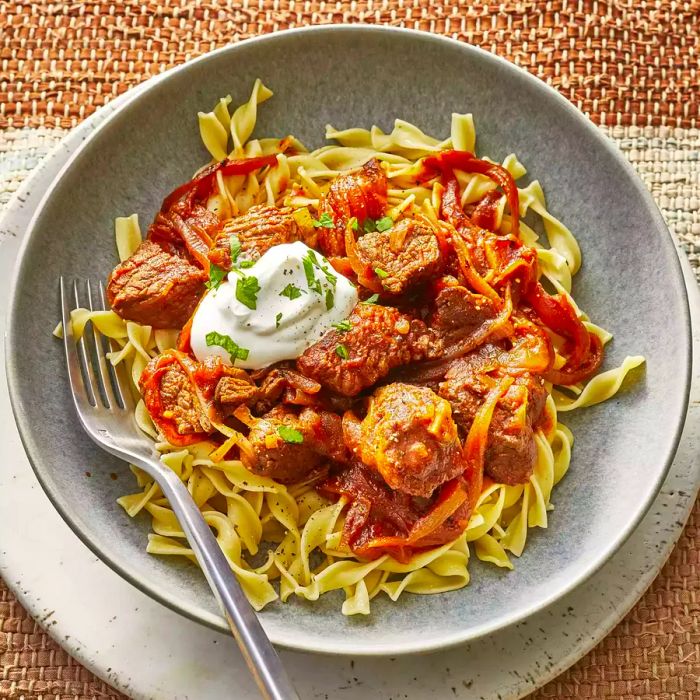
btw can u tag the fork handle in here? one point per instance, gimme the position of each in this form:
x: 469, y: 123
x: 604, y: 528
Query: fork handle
x: 258, y: 652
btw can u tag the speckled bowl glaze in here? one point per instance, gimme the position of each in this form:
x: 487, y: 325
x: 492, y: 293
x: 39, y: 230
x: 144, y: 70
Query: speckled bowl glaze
x: 630, y: 282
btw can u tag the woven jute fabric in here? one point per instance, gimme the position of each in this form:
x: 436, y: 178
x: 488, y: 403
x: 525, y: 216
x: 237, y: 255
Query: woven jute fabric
x: 622, y: 63
x: 631, y: 66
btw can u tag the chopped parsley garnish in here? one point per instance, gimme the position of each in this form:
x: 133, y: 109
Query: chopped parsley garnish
x: 236, y: 262
x: 310, y: 261
x: 216, y: 277
x: 343, y: 326
x: 371, y: 300
x: 330, y: 277
x: 290, y: 434
x: 382, y: 274
x: 247, y: 289
x: 330, y: 299
x: 278, y: 318
x: 370, y: 225
x: 342, y: 351
x: 385, y: 223
x: 291, y: 291
x: 235, y: 246
x: 324, y: 221
x: 227, y: 343
x: 353, y: 223
x: 311, y: 280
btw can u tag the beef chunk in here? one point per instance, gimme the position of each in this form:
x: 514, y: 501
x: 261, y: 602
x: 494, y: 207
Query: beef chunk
x: 414, y: 256
x: 180, y: 402
x: 361, y: 194
x: 409, y: 436
x: 510, y: 451
x: 317, y: 437
x: 155, y: 287
x: 282, y: 384
x: 380, y: 338
x: 456, y: 308
x: 258, y: 230
x: 234, y: 391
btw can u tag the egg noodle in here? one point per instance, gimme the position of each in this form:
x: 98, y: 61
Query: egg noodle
x: 284, y: 541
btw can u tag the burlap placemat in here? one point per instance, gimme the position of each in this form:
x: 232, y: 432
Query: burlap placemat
x: 631, y: 66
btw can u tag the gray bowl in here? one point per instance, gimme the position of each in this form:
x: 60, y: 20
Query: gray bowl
x: 349, y: 76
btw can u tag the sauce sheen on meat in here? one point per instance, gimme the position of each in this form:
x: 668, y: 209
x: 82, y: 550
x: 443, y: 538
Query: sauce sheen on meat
x: 156, y: 288
x: 414, y: 258
x: 378, y: 339
x: 409, y: 437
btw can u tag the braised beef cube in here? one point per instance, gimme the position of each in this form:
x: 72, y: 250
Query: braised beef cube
x: 456, y: 308
x: 282, y: 383
x: 379, y: 339
x: 258, y: 230
x: 510, y: 452
x: 361, y: 194
x: 155, y: 287
x: 234, y: 391
x: 402, y: 256
x: 288, y: 446
x: 409, y: 436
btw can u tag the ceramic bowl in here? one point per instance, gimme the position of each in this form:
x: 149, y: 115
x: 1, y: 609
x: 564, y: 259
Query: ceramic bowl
x: 358, y: 76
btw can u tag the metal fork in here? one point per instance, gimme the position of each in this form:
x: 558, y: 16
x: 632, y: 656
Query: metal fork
x: 105, y: 406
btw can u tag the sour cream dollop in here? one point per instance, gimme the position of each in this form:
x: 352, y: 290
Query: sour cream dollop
x: 273, y: 310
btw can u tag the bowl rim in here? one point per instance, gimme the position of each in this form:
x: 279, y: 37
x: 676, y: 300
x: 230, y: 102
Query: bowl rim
x: 291, y: 638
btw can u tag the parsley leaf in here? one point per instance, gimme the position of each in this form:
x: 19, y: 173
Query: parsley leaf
x: 227, y: 343
x: 353, y: 223
x: 245, y: 264
x: 330, y: 277
x: 385, y: 223
x: 371, y: 300
x: 342, y: 351
x: 291, y: 291
x: 247, y: 289
x: 343, y: 326
x: 330, y: 300
x: 311, y: 280
x: 278, y: 318
x: 235, y: 246
x: 382, y: 274
x: 290, y: 434
x: 323, y: 266
x: 324, y: 221
x: 216, y: 277
x: 370, y: 225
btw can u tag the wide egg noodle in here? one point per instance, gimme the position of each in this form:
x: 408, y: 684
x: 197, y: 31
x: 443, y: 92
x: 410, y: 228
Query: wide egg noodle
x: 128, y: 235
x: 244, y: 118
x: 560, y: 238
x: 600, y: 388
x: 291, y: 535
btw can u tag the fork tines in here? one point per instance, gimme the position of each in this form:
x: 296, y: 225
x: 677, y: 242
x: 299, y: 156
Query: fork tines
x: 95, y: 383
